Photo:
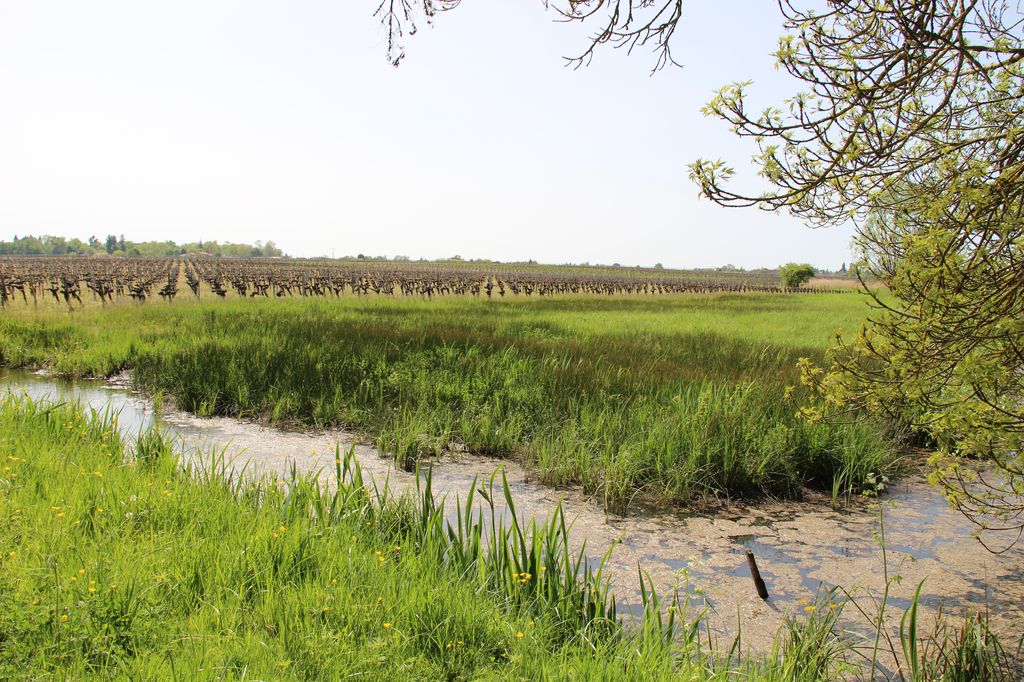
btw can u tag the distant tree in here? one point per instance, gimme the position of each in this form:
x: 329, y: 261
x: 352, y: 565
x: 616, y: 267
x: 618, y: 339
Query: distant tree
x: 59, y: 246
x: 23, y: 246
x: 795, y: 274
x: 658, y: 266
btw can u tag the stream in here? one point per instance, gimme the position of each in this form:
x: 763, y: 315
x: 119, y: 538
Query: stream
x: 801, y: 547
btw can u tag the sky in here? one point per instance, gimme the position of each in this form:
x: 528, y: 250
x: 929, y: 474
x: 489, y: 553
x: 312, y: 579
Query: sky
x: 250, y: 120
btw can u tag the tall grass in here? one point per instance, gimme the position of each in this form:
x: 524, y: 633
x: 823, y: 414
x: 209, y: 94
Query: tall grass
x: 626, y: 398
x: 122, y: 560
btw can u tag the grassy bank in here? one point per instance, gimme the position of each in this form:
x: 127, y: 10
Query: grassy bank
x: 149, y: 570
x: 118, y: 562
x: 673, y: 398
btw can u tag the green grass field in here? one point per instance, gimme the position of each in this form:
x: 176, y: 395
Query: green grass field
x: 118, y: 561
x: 670, y: 398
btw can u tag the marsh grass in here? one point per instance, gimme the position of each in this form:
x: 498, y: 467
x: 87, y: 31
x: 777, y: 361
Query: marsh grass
x: 669, y: 399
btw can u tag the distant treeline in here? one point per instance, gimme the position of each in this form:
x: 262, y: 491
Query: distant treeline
x: 114, y: 245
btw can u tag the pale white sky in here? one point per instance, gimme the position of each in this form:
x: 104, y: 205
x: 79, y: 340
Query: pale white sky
x: 243, y: 120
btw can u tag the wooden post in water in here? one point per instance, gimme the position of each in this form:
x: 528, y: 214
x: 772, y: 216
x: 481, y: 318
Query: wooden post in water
x: 762, y: 591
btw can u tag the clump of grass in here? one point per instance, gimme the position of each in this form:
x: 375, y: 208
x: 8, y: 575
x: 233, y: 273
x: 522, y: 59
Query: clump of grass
x: 968, y: 652
x: 812, y: 645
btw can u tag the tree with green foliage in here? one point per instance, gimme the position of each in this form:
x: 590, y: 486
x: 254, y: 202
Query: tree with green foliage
x: 910, y: 126
x: 44, y: 245
x: 47, y: 245
x: 795, y: 274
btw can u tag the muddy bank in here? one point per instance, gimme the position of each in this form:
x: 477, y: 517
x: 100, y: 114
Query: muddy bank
x: 802, y: 548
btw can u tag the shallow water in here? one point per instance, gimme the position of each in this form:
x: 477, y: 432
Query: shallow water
x: 801, y: 548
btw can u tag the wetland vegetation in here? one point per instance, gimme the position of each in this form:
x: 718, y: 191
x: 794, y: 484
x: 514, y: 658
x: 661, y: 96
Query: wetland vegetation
x: 120, y: 560
x: 674, y: 398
